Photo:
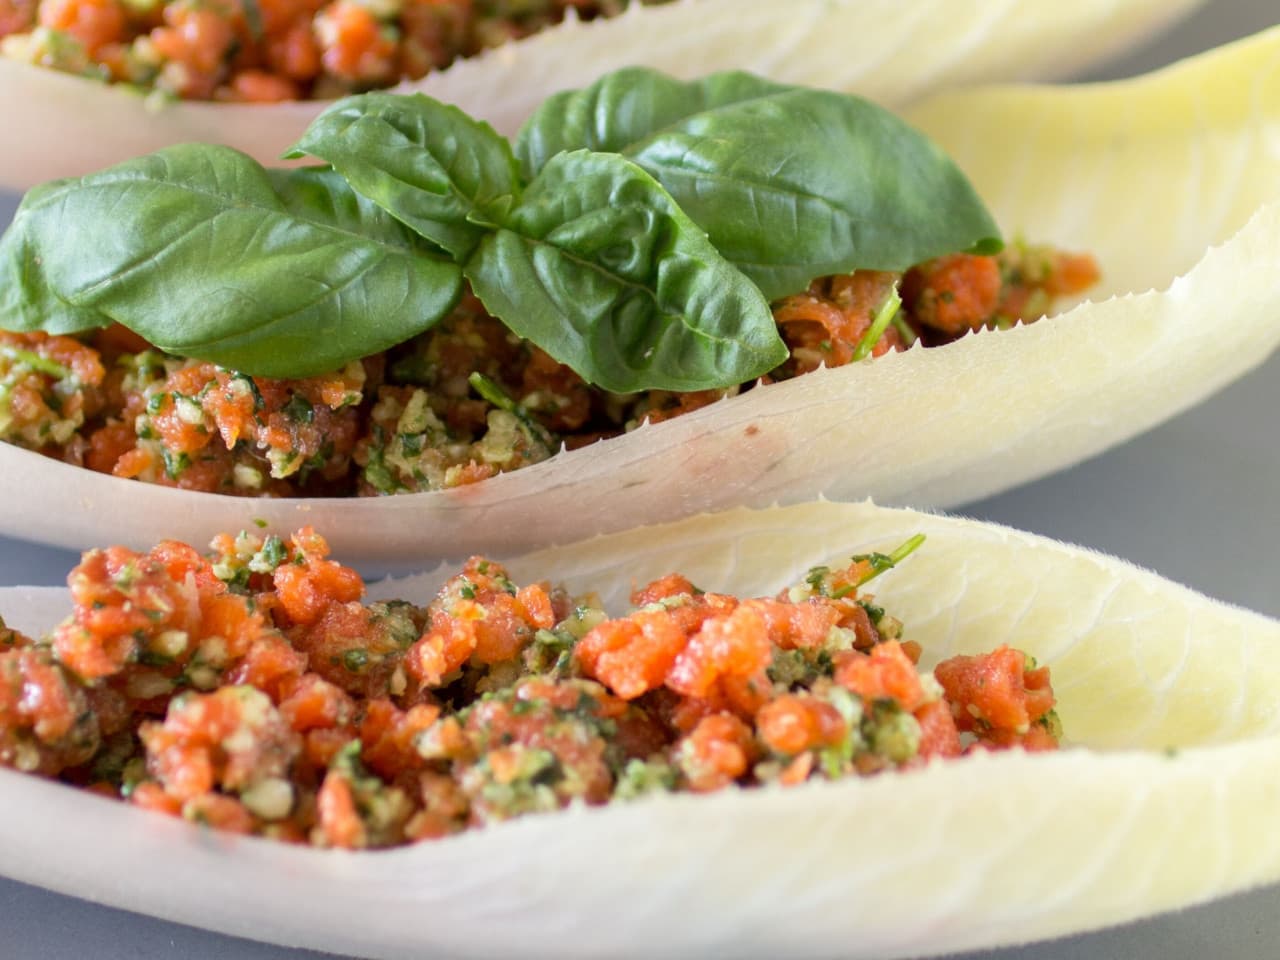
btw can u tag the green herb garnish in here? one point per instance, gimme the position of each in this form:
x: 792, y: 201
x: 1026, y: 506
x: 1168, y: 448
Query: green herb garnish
x: 299, y: 409
x: 880, y: 562
x: 888, y: 310
x: 36, y: 362
x: 789, y: 183
x: 494, y: 394
x: 355, y: 659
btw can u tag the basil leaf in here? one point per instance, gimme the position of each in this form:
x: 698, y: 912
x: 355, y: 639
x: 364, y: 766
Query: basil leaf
x: 28, y: 302
x: 432, y: 167
x: 599, y: 268
x: 624, y: 107
x: 790, y: 184
x: 203, y: 253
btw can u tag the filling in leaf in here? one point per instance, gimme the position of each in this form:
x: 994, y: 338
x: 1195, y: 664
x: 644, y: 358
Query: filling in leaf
x: 251, y: 690
x: 270, y: 50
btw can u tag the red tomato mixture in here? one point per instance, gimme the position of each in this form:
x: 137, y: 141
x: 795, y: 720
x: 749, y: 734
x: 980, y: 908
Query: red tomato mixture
x: 270, y: 50
x: 414, y: 419
x: 252, y: 690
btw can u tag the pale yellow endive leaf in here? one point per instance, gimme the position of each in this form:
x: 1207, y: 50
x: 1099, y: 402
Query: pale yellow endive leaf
x: 59, y: 125
x: 1165, y: 797
x: 1144, y: 173
x: 1150, y: 174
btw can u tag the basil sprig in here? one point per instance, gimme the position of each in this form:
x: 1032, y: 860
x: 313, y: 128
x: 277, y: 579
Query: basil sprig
x: 600, y: 268
x: 789, y: 183
x: 592, y: 260
x: 630, y: 234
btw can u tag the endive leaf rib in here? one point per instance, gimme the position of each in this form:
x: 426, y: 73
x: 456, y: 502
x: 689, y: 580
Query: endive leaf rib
x: 61, y: 125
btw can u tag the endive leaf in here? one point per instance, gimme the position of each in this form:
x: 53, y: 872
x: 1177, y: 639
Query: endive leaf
x: 889, y: 50
x: 1171, y: 703
x: 933, y: 427
x: 1145, y: 173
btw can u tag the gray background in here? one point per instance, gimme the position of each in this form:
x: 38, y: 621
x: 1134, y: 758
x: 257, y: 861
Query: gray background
x: 1194, y: 500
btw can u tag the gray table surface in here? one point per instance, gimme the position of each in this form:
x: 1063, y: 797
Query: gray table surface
x: 1195, y: 500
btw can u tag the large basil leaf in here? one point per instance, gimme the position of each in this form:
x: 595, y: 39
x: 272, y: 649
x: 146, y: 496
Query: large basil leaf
x: 624, y: 107
x: 598, y: 267
x: 27, y: 300
x: 202, y: 252
x: 790, y: 184
x: 429, y: 165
